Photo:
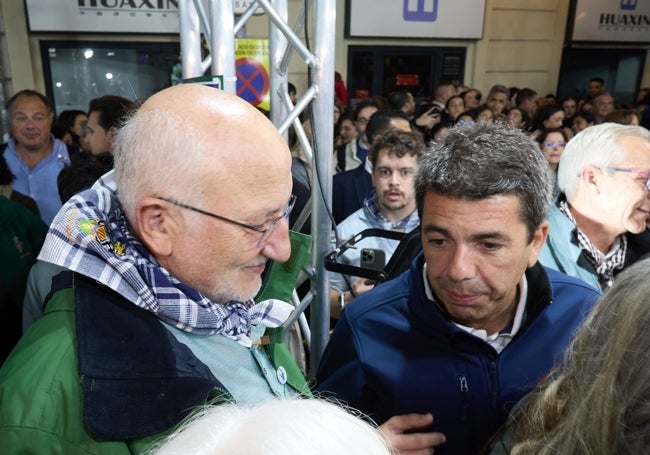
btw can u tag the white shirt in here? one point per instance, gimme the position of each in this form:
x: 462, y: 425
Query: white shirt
x: 498, y: 340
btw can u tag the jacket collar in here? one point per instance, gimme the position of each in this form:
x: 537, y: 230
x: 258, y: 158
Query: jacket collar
x: 539, y: 297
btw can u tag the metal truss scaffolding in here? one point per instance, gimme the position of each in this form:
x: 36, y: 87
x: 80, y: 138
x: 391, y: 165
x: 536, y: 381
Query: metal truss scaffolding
x: 218, y: 28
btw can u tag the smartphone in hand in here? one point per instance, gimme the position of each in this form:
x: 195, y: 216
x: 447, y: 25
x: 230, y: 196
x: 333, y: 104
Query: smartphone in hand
x: 373, y: 258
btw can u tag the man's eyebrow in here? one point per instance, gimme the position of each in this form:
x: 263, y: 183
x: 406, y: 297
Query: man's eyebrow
x: 432, y: 228
x: 492, y: 236
x: 273, y: 213
x: 495, y: 235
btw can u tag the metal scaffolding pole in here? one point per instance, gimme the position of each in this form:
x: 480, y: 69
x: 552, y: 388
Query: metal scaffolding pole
x: 322, y: 131
x: 278, y: 76
x: 190, y: 39
x: 219, y: 31
x: 222, y: 43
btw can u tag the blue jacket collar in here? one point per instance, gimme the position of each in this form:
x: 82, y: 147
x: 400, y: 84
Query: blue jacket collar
x: 539, y: 297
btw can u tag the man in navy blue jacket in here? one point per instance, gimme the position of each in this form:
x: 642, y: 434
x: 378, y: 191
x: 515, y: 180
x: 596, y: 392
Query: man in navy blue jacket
x: 476, y: 321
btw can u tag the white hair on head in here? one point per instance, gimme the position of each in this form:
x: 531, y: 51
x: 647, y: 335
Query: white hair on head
x: 155, y: 151
x: 597, y: 145
x: 275, y: 427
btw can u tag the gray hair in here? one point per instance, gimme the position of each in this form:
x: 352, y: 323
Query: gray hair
x: 598, y: 145
x: 154, y: 151
x: 598, y: 399
x: 498, y: 88
x: 488, y: 159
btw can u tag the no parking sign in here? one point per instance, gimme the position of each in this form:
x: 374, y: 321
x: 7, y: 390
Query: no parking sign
x: 252, y: 69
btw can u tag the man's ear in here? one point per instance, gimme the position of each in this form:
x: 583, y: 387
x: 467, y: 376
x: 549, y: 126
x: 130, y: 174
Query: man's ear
x: 591, y: 177
x: 539, y: 237
x: 155, y: 226
x: 110, y: 135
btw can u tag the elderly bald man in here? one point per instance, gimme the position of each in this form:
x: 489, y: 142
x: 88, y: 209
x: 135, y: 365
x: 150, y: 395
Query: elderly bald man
x: 155, y: 315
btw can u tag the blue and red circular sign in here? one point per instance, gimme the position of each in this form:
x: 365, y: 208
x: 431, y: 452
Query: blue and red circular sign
x: 252, y: 80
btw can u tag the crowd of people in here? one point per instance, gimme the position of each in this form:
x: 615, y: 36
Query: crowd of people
x: 520, y: 107
x: 144, y: 309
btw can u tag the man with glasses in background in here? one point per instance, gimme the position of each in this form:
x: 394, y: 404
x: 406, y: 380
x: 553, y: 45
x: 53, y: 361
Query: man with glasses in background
x: 598, y: 226
x: 156, y: 315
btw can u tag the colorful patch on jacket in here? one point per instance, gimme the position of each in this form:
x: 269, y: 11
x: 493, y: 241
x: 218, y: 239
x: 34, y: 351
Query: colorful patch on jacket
x: 99, y: 230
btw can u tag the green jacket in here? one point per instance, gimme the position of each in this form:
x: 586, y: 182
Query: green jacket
x: 98, y: 375
x: 40, y: 390
x: 21, y: 237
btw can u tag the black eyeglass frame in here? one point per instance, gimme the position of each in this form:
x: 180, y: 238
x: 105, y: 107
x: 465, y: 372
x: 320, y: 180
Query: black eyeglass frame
x: 261, y: 229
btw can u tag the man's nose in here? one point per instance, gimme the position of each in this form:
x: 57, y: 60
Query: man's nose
x: 460, y: 266
x: 278, y: 246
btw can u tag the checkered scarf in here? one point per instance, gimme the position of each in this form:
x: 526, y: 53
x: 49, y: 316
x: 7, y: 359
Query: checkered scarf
x: 407, y: 224
x: 604, y: 265
x: 90, y: 235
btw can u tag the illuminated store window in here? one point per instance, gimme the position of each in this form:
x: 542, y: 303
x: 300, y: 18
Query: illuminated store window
x: 76, y: 72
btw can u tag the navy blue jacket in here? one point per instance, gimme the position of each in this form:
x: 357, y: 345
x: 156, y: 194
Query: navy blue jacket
x: 395, y: 352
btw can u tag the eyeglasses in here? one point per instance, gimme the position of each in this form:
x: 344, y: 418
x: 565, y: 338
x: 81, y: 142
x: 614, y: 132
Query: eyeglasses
x: 553, y: 144
x: 466, y: 122
x: 363, y: 120
x: 264, y: 230
x: 642, y: 174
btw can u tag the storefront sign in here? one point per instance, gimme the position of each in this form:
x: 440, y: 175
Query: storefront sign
x: 612, y: 21
x: 407, y: 80
x: 415, y: 18
x: 111, y: 16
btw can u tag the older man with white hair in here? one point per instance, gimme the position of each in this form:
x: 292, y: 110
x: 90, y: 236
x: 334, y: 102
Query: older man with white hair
x: 598, y: 226
x: 158, y: 313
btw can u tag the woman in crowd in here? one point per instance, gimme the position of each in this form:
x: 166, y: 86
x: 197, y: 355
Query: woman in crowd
x: 345, y: 130
x: 483, y: 114
x: 552, y: 142
x: 570, y: 106
x: 471, y: 98
x: 72, y: 122
x: 517, y: 118
x: 581, y: 121
x: 548, y: 116
x: 439, y: 132
x: 432, y: 111
x: 453, y: 108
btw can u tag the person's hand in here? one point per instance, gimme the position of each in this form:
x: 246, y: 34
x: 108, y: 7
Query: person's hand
x: 362, y: 285
x: 429, y: 119
x: 393, y: 431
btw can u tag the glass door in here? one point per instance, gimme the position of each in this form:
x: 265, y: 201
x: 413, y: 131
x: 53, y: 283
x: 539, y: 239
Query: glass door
x: 379, y: 70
